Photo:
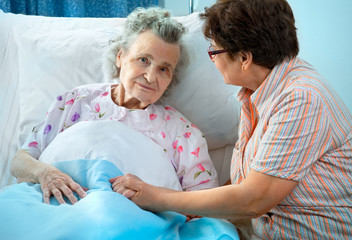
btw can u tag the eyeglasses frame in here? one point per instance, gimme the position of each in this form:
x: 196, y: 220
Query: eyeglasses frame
x: 212, y: 53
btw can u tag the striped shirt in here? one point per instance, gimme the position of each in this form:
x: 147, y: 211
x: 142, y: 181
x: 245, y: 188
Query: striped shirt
x: 295, y: 127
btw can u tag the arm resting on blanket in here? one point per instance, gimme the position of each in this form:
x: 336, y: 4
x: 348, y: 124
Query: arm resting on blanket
x: 256, y: 195
x: 53, y: 182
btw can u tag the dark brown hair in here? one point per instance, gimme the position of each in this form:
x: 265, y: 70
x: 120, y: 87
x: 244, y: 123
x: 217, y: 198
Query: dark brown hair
x: 266, y: 28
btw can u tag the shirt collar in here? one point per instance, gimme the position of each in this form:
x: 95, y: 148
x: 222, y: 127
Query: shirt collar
x: 270, y: 84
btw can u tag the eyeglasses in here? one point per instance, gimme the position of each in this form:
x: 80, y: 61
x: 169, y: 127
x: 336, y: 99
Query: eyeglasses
x: 213, y: 52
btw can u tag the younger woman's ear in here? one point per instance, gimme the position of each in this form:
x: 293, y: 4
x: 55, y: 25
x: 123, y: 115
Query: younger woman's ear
x: 246, y: 60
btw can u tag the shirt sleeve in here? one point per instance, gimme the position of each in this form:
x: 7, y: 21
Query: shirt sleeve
x: 195, y: 169
x: 297, y: 135
x: 60, y: 116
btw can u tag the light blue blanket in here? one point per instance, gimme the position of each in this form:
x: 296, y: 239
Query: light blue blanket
x: 102, y: 214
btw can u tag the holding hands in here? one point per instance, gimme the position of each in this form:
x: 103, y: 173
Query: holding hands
x: 144, y: 195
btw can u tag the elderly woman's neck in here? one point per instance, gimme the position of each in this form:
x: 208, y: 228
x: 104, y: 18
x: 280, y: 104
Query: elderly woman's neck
x: 120, y: 98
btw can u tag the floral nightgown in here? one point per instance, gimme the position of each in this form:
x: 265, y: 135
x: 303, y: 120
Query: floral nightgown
x: 186, y: 146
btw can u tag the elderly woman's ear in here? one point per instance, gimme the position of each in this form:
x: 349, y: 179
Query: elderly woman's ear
x: 118, y: 58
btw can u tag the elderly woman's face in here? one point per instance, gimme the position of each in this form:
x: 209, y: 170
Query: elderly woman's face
x: 146, y: 69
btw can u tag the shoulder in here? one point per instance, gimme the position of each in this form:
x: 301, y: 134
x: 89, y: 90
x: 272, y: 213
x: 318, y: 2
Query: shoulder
x: 303, y: 77
x: 171, y: 113
x: 177, y: 120
x: 93, y: 88
x: 87, y: 91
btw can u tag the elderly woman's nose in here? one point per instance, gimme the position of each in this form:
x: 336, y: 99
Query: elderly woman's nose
x: 151, y: 74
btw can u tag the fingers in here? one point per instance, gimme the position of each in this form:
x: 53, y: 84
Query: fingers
x: 125, y: 185
x: 191, y: 216
x: 111, y: 180
x: 54, y: 182
x: 118, y: 186
x: 46, y: 196
x: 64, y: 190
x: 69, y: 194
x: 78, y: 189
x: 129, y: 193
x: 143, y: 194
x: 57, y: 194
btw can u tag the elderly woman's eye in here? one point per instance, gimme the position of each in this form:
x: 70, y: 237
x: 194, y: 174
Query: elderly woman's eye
x: 164, y: 69
x: 144, y: 60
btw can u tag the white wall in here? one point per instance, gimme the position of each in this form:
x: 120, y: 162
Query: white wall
x: 324, y: 33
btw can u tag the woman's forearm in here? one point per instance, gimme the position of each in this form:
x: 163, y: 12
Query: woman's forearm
x: 227, y: 202
x: 26, y: 168
x: 256, y: 195
x: 211, y: 203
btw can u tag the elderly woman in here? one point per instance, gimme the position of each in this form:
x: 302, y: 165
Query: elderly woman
x: 291, y: 170
x: 145, y: 58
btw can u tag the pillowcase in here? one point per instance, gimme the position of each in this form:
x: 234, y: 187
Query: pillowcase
x: 131, y: 151
x: 53, y: 61
x: 203, y: 97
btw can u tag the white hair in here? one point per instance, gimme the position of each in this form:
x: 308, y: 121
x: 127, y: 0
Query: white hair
x: 157, y: 20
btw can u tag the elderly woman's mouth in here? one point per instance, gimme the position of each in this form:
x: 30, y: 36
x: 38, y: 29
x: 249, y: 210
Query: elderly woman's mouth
x: 145, y: 86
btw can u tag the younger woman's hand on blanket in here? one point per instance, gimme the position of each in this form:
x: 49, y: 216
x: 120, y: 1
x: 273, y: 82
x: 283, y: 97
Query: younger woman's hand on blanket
x: 118, y: 187
x: 144, y: 195
x: 55, y: 182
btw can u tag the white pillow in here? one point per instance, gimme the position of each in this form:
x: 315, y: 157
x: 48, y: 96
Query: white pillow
x: 202, y: 96
x: 131, y: 151
x: 9, y: 75
x: 54, y: 62
x: 51, y: 62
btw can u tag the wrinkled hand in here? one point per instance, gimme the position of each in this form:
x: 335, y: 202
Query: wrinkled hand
x: 54, y: 182
x: 146, y: 196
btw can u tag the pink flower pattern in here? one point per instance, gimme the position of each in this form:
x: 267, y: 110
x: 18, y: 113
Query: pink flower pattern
x: 204, y: 181
x: 185, y: 146
x: 180, y: 149
x: 105, y: 94
x: 153, y: 116
x: 33, y: 144
x: 174, y: 144
x: 187, y: 135
x: 196, y: 152
x: 170, y: 108
x: 70, y: 102
x: 97, y: 107
x: 200, y: 166
x: 202, y: 170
